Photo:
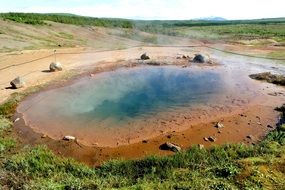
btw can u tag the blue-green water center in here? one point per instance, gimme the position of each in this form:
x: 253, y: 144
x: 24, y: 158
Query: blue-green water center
x: 128, y: 93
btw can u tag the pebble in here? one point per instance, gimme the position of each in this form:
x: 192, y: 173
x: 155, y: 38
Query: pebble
x: 200, y: 146
x: 272, y: 94
x: 95, y: 144
x: 169, y: 136
x: 219, y: 125
x: 206, y: 139
x: 68, y: 138
x: 249, y: 137
x: 212, y: 139
x: 17, y: 119
x: 145, y: 141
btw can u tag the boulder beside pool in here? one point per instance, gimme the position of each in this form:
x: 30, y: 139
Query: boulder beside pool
x: 17, y: 83
x: 55, y: 66
x: 170, y: 146
x: 269, y: 77
x: 144, y: 57
x: 199, y: 58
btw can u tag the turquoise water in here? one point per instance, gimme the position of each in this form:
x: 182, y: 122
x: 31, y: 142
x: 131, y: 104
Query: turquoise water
x: 125, y: 94
x: 143, y: 92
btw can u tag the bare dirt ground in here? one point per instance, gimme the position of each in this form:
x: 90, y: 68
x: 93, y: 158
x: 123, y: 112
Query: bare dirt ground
x: 107, y: 46
x: 34, y: 73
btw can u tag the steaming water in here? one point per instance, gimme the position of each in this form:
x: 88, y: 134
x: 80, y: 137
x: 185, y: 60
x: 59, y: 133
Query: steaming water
x: 126, y: 94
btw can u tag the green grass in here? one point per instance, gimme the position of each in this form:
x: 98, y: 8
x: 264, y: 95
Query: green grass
x: 231, y: 166
x: 39, y: 19
x: 4, y: 124
x: 7, y: 109
x: 241, y: 29
x: 255, y: 33
x: 223, y: 167
x: 65, y: 35
x: 247, y: 31
x: 277, y: 54
x: 274, y: 31
x: 6, y: 143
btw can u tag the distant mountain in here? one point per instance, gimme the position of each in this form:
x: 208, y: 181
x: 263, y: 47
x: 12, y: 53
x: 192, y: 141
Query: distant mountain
x: 211, y: 18
x: 63, y: 14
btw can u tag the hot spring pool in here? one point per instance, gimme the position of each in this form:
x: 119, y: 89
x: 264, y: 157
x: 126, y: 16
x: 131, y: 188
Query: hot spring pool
x: 124, y: 100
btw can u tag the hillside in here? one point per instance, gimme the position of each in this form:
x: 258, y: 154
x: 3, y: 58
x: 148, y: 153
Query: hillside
x: 16, y: 36
x: 19, y: 31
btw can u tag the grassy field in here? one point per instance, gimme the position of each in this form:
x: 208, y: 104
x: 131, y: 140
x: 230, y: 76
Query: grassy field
x: 29, y: 31
x: 234, y: 166
x: 247, y: 32
x: 239, y: 29
x: 39, y: 19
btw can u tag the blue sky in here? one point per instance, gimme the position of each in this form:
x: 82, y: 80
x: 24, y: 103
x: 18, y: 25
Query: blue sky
x: 152, y: 9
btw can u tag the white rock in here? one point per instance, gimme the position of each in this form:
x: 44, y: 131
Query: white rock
x: 170, y: 146
x: 69, y: 138
x: 206, y: 139
x: 219, y: 125
x: 55, y: 66
x: 17, y: 119
x: 17, y: 83
x: 212, y: 139
x: 200, y: 146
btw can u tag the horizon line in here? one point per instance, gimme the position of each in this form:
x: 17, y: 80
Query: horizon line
x: 147, y: 19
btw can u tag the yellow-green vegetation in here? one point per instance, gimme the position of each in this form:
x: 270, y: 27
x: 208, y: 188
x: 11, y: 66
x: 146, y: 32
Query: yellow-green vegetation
x: 277, y: 54
x: 247, y: 31
x: 38, y: 31
x: 39, y: 19
x: 233, y: 166
x: 65, y: 35
x: 227, y: 29
x: 5, y: 142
